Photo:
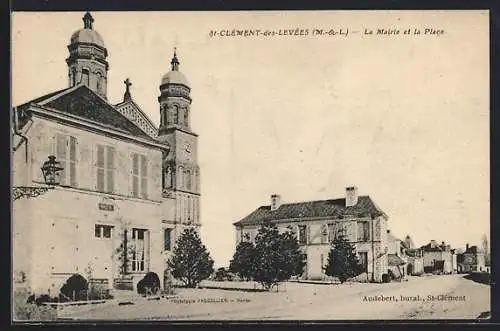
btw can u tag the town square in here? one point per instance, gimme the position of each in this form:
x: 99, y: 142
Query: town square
x: 164, y: 170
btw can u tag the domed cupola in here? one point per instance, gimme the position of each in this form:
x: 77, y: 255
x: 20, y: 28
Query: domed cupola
x: 174, y: 76
x: 174, y: 99
x: 87, y: 58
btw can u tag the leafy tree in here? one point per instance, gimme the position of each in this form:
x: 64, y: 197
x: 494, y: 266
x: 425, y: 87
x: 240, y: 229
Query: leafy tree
x: 342, y: 260
x: 277, y: 256
x: 243, y: 261
x: 191, y: 263
x: 293, y: 256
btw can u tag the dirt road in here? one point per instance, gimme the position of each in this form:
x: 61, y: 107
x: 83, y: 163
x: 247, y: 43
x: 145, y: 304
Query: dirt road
x: 430, y: 297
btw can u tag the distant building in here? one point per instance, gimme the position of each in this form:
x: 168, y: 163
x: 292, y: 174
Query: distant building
x: 472, y: 259
x: 396, y: 256
x: 415, y: 257
x: 438, y: 258
x: 317, y: 222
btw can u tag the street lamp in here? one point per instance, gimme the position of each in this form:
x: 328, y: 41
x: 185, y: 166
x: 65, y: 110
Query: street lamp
x: 50, y: 170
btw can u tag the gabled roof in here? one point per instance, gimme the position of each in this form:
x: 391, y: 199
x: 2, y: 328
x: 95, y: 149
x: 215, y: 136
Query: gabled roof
x: 334, y: 208
x: 149, y: 123
x: 80, y: 101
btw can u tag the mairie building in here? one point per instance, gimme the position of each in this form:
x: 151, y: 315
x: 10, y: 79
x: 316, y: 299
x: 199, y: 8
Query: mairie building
x: 316, y: 223
x: 124, y: 178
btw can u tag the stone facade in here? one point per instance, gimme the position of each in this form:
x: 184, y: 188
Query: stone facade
x: 55, y: 234
x: 368, y: 233
x: 439, y: 258
x: 124, y: 180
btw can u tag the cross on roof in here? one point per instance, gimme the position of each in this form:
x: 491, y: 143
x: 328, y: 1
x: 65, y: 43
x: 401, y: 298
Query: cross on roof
x: 127, y: 83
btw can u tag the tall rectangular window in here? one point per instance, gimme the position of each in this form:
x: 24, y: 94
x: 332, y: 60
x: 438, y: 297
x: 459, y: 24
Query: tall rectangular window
x: 85, y: 76
x: 335, y: 229
x: 139, y: 176
x: 363, y: 231
x: 139, y: 253
x: 105, y: 169
x: 167, y: 239
x: 66, y: 154
x: 363, y: 260
x: 302, y: 234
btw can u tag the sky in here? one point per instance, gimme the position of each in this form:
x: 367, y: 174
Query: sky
x: 403, y: 117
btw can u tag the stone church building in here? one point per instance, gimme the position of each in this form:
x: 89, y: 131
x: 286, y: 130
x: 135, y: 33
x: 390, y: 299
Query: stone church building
x: 316, y: 223
x: 124, y: 179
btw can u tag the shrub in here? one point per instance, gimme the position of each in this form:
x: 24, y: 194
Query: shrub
x: 150, y: 284
x: 25, y: 309
x: 386, y: 278
x: 74, y: 289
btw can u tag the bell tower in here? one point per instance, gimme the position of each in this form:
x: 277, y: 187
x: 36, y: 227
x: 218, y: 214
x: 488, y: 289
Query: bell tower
x: 181, y: 173
x: 87, y: 62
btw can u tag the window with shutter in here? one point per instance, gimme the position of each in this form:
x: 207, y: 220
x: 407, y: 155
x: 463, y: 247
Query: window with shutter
x: 139, y: 176
x: 135, y: 175
x: 105, y: 165
x: 110, y: 169
x: 72, y: 161
x: 363, y: 231
x: 61, y: 156
x: 65, y: 149
x: 144, y: 177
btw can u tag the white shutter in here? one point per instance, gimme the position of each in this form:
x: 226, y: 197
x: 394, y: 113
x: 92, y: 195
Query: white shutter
x: 100, y: 168
x: 110, y: 169
x: 135, y: 175
x: 72, y: 161
x: 144, y: 176
x: 61, y: 156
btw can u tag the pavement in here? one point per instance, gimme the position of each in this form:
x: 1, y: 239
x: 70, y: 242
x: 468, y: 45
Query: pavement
x: 427, y: 297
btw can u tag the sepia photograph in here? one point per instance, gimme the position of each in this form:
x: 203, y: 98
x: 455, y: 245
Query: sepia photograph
x: 250, y: 165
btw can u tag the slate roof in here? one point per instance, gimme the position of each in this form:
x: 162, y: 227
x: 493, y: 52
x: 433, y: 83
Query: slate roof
x: 83, y: 102
x: 429, y: 248
x: 334, y: 208
x: 394, y: 260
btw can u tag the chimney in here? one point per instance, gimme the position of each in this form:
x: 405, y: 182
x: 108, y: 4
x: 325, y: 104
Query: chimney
x: 275, y: 201
x: 433, y: 244
x: 466, y: 247
x: 351, y: 196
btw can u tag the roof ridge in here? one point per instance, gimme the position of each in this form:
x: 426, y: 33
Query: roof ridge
x: 108, y: 106
x: 58, y: 95
x: 47, y: 95
x: 319, y: 200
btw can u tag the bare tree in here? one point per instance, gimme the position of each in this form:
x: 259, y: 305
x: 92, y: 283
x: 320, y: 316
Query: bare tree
x: 486, y: 249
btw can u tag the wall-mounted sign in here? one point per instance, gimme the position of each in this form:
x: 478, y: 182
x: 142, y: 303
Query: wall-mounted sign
x: 106, y: 206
